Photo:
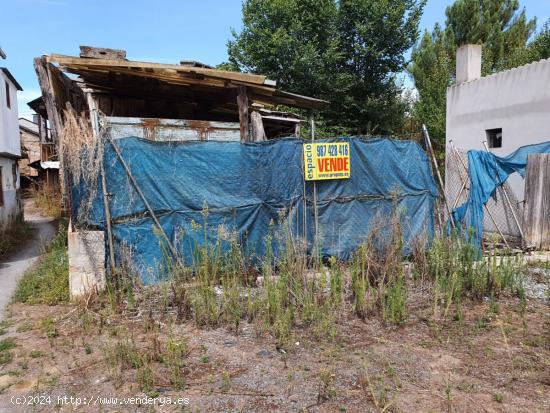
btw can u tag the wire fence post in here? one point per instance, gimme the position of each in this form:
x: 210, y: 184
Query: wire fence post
x: 436, y: 168
x: 315, y: 210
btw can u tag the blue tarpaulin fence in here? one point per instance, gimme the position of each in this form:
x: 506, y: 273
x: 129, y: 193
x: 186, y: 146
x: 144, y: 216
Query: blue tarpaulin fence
x: 487, y: 172
x: 245, y: 189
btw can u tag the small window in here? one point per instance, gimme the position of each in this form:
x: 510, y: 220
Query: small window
x: 494, y: 138
x: 8, y: 100
x: 1, y: 189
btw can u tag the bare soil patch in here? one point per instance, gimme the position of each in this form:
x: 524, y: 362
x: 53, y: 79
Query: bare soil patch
x: 497, y: 358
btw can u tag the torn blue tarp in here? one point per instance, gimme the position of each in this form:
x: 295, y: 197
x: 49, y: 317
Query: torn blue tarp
x: 212, y: 192
x: 487, y: 172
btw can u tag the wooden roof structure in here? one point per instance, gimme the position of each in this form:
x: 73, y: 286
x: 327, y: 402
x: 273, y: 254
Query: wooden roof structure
x: 38, y: 106
x: 104, y: 79
x: 110, y: 75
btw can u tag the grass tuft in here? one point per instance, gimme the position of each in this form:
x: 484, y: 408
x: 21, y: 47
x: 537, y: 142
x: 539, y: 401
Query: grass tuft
x: 47, y: 199
x: 5, y: 354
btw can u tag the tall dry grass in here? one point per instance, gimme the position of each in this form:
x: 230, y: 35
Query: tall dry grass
x: 289, y: 291
x: 80, y: 154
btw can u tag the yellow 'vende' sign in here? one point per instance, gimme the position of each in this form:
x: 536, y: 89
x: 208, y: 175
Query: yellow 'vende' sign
x: 326, y: 161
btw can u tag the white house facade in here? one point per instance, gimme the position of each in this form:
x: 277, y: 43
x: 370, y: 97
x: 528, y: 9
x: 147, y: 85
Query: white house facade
x: 506, y: 110
x: 10, y: 148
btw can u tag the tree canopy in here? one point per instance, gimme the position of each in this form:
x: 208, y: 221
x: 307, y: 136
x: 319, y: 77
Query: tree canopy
x: 345, y: 51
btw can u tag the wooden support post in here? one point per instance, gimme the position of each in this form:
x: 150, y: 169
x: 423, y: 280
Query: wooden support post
x: 94, y: 119
x: 438, y: 174
x: 315, y: 210
x: 44, y: 80
x: 42, y: 68
x: 297, y: 130
x: 536, y: 211
x: 258, y: 133
x: 242, y: 103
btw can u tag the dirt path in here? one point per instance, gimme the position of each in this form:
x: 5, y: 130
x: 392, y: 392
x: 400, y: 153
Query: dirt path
x: 13, y: 268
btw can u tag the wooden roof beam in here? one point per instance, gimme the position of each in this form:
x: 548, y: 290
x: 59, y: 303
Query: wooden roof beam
x: 70, y: 60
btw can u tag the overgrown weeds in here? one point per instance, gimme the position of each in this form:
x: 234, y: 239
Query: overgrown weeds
x: 13, y: 235
x: 47, y: 282
x: 457, y: 271
x: 123, y: 355
x: 5, y: 346
x: 47, y: 198
x: 174, y: 358
x: 377, y: 276
x: 288, y: 290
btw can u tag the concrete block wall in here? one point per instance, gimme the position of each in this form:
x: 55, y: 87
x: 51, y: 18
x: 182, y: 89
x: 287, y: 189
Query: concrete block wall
x: 86, y: 262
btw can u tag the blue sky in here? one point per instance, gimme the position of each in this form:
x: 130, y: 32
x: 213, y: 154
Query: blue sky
x: 159, y: 31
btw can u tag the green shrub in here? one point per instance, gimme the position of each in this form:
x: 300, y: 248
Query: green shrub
x: 457, y: 271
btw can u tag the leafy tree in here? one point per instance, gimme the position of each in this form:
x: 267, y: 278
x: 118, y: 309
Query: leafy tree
x: 499, y: 26
x: 539, y: 48
x: 345, y: 51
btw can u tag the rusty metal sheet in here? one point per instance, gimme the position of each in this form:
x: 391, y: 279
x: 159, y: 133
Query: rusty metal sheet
x: 177, y: 130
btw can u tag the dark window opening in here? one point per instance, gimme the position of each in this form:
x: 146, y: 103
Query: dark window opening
x: 14, y: 173
x: 8, y: 100
x: 494, y: 138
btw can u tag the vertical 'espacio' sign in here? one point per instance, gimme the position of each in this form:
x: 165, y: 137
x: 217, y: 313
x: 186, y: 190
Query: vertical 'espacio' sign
x: 326, y: 161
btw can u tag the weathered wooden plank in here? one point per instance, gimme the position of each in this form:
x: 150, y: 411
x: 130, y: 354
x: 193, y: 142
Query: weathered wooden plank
x: 71, y: 60
x: 242, y: 103
x: 40, y: 66
x: 528, y: 207
x: 102, y: 53
x: 184, y: 79
x: 537, y: 201
x: 263, y: 90
x: 258, y: 133
x: 545, y: 232
x: 297, y: 130
x: 173, y: 130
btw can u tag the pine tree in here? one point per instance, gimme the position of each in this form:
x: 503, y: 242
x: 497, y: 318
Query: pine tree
x: 539, y: 48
